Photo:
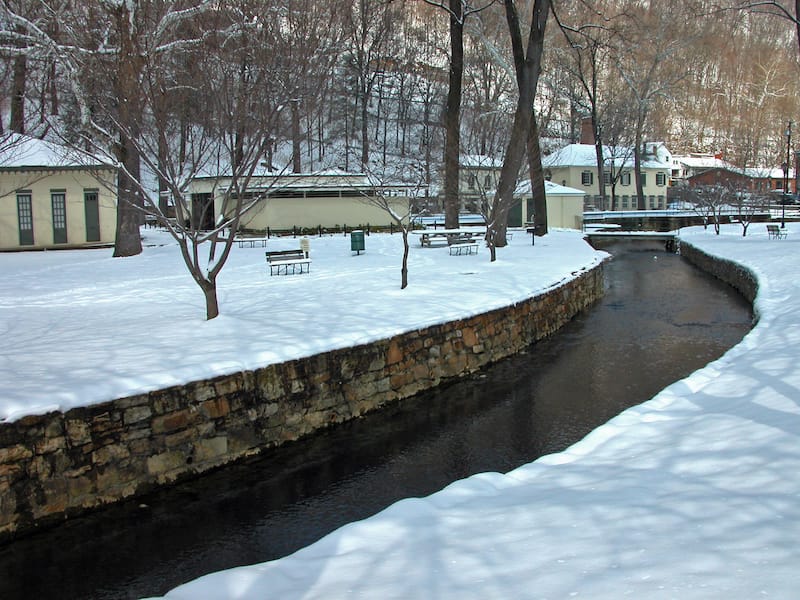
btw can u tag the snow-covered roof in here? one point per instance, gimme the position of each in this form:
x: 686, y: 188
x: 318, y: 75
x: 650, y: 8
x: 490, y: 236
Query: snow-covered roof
x: 583, y: 155
x: 553, y: 189
x: 702, y: 161
x: 23, y: 152
x: 708, y: 162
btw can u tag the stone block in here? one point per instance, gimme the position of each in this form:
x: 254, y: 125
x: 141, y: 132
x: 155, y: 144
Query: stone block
x: 14, y: 454
x: 78, y: 432
x: 112, y: 453
x: 137, y: 414
x: 166, y: 462
x: 173, y: 421
x: 216, y: 408
x: 210, y: 449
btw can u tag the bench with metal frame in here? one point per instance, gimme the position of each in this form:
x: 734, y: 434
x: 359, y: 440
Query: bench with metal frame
x: 284, y: 262
x: 775, y: 232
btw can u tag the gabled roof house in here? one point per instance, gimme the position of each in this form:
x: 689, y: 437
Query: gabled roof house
x: 575, y: 166
x: 54, y: 197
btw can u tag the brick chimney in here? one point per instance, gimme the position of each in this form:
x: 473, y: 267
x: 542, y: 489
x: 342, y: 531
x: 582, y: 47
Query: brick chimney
x: 587, y: 131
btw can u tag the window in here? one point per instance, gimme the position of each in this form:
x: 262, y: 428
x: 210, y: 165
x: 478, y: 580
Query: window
x: 624, y: 201
x: 661, y: 179
x: 487, y: 182
x: 625, y: 178
x: 25, y: 216
x: 587, y: 178
x: 471, y: 181
x: 652, y: 202
x: 643, y: 179
x: 606, y: 178
x: 58, y: 201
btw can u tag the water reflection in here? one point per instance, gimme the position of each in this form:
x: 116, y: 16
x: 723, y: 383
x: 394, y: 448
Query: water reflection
x: 659, y: 320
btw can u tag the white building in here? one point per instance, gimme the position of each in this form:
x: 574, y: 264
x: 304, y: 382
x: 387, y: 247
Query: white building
x: 575, y: 166
x: 54, y: 197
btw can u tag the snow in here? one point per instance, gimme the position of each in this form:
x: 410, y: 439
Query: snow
x: 693, y: 494
x: 584, y: 155
x: 21, y: 151
x: 80, y: 327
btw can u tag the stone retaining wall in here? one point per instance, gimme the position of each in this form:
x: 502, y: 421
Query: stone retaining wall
x: 59, y: 464
x: 735, y: 275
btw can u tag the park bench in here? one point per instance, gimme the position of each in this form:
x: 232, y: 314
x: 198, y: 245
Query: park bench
x: 283, y: 262
x: 251, y: 242
x: 775, y: 232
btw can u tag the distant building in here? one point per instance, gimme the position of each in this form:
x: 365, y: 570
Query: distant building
x: 54, y: 197
x: 564, y: 205
x: 575, y: 166
x: 706, y: 169
x: 304, y: 200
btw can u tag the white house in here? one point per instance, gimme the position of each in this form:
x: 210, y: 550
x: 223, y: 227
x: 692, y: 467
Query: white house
x: 575, y: 166
x: 54, y: 197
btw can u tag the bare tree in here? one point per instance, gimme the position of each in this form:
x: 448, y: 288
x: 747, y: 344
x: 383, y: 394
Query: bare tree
x: 590, y: 43
x: 368, y: 28
x: 527, y: 64
x: 773, y: 8
x: 747, y: 207
x: 383, y: 194
x: 711, y: 202
x: 458, y: 11
x: 648, y: 67
x: 240, y: 121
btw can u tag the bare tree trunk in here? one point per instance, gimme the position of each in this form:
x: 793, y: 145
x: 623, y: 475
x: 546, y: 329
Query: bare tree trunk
x: 598, y: 152
x: 404, y: 267
x: 210, y: 293
x: 537, y: 179
x: 637, y: 161
x: 364, y: 128
x: 128, y: 241
x: 452, y: 116
x: 18, y: 94
x: 129, y: 216
x: 162, y: 183
x: 528, y: 66
x: 297, y: 166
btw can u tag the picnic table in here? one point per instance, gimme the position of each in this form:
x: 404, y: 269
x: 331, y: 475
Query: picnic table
x: 446, y: 237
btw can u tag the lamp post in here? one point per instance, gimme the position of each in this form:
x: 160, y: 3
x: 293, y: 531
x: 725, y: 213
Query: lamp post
x: 786, y: 166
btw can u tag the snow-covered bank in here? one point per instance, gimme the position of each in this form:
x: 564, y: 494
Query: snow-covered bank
x: 694, y: 494
x: 81, y: 327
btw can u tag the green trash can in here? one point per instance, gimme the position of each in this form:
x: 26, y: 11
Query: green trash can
x: 357, y: 241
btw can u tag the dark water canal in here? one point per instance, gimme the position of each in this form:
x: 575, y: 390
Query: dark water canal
x: 660, y: 320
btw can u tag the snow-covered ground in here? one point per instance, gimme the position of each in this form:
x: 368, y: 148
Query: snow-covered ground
x: 693, y: 494
x: 81, y: 327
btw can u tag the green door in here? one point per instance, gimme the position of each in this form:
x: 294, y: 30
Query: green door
x: 59, y: 203
x: 25, y: 218
x: 92, y: 209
